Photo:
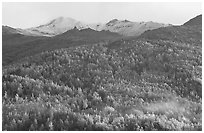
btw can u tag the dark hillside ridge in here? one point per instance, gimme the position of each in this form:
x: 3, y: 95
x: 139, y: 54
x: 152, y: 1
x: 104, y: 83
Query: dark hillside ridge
x: 175, y: 33
x: 190, y: 32
x: 88, y: 35
x: 9, y: 30
x: 197, y: 21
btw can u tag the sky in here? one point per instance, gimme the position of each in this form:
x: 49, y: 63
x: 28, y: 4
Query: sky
x: 31, y: 14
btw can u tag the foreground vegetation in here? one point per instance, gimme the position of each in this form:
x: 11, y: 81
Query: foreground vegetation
x: 125, y: 85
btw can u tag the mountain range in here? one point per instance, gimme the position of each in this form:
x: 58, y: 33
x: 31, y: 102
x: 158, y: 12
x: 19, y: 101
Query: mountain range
x: 66, y: 32
x: 62, y: 24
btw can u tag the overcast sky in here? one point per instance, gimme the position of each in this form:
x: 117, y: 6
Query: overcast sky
x: 26, y: 15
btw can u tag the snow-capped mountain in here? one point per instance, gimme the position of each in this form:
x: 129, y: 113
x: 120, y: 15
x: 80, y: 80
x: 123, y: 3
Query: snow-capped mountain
x: 57, y: 26
x: 128, y: 28
x: 123, y: 27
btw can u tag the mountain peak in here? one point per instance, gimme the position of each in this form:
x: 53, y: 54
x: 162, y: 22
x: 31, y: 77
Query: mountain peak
x: 58, y: 21
x: 58, y: 26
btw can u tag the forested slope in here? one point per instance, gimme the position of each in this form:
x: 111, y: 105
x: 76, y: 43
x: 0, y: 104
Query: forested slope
x: 17, y: 46
x: 151, y: 85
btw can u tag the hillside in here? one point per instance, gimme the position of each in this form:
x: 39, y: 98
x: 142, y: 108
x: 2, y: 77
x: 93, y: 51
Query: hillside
x: 148, y: 83
x: 88, y: 35
x: 175, y: 33
x: 9, y: 30
x: 6, y: 30
x: 137, y: 87
x: 189, y: 32
x: 197, y: 21
x: 17, y: 46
